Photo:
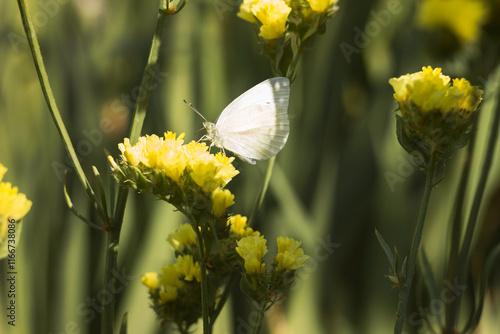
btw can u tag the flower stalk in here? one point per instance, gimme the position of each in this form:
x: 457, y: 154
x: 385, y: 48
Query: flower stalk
x: 417, y: 236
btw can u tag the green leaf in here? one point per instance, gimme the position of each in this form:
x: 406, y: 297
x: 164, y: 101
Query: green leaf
x: 72, y: 207
x: 387, y: 251
x: 123, y: 327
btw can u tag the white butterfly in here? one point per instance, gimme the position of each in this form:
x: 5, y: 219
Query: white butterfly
x: 255, y: 126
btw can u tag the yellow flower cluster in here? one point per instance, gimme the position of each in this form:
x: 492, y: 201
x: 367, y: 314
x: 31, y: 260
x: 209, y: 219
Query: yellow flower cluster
x: 165, y: 166
x: 272, y: 15
x: 430, y: 90
x: 252, y: 249
x: 290, y: 256
x: 13, y: 205
x: 436, y: 114
x: 320, y: 6
x: 170, y: 155
x: 463, y: 18
x: 166, y: 286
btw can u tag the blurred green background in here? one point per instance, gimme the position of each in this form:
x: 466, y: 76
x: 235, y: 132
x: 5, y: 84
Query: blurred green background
x: 329, y: 188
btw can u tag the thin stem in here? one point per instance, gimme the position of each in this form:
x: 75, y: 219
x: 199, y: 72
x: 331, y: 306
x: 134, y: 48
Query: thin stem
x: 108, y: 309
x: 263, y: 190
x: 51, y: 103
x: 148, y: 75
x: 398, y: 328
x: 207, y: 328
x: 260, y: 319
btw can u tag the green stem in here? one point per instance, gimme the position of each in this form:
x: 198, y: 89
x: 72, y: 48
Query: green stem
x: 207, y: 328
x: 260, y: 319
x: 51, y: 103
x: 398, y: 328
x: 108, y: 310
x: 263, y: 190
x: 148, y: 75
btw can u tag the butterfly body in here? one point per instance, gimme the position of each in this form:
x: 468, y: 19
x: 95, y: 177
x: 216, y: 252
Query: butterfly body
x: 255, y: 125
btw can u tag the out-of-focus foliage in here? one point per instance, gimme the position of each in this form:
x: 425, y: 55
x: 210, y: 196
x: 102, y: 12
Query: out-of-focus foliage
x: 341, y: 174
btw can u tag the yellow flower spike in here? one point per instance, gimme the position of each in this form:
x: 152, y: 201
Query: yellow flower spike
x: 183, y: 237
x: 252, y: 249
x: 188, y: 268
x: 320, y: 6
x: 273, y: 15
x: 170, y: 276
x: 169, y: 294
x: 290, y: 256
x: 221, y: 200
x: 151, y: 280
x: 463, y: 18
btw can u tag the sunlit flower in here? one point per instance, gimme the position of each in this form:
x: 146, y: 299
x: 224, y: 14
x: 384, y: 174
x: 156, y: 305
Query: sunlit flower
x: 221, y: 200
x: 290, y: 256
x: 184, y: 236
x: 13, y: 205
x: 463, y: 18
x: 252, y: 249
x: 188, y: 268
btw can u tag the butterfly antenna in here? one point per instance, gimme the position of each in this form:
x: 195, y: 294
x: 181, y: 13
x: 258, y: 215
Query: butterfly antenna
x: 194, y: 109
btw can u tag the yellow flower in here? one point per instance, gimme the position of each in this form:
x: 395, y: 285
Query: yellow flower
x: 471, y: 97
x: 252, y: 249
x: 246, y: 11
x: 290, y: 256
x: 226, y: 170
x: 430, y: 90
x: 169, y: 294
x: 151, y: 280
x: 204, y: 174
x: 320, y: 6
x: 463, y: 18
x: 188, y: 268
x: 168, y: 156
x: 221, y: 200
x: 13, y: 205
x: 183, y: 237
x: 273, y: 15
x: 170, y: 276
x: 239, y: 226
x: 435, y: 115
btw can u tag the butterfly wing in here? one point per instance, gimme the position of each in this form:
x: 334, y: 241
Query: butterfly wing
x: 255, y: 126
